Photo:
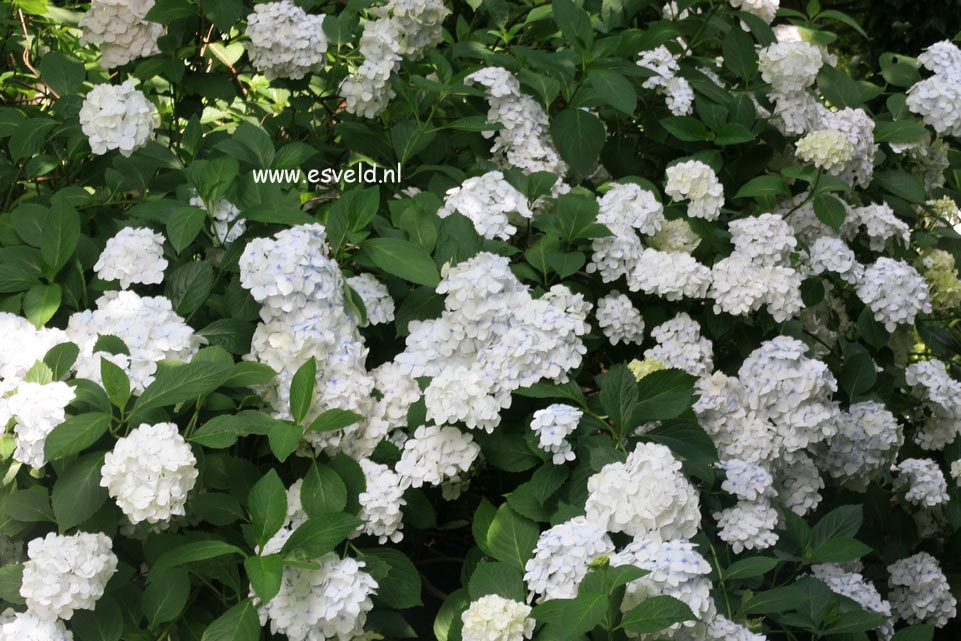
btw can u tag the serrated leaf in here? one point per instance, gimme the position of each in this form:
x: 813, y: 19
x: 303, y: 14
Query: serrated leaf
x: 321, y: 534
x: 322, y: 491
x: 302, y: 389
x: 164, y: 598
x: 183, y: 225
x: 334, y: 419
x: 239, y: 623
x: 511, y: 537
x: 403, y: 259
x: 265, y: 574
x: 267, y: 503
x: 77, y: 493
x: 76, y: 434
x: 191, y: 552
x: 656, y: 613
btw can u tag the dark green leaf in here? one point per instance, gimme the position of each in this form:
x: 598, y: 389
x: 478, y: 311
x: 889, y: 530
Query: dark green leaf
x: 265, y: 574
x: 656, y: 613
x: 77, y: 493
x: 267, y: 503
x: 511, y: 537
x: 302, y: 389
x: 579, y: 137
x: 322, y: 491
x: 403, y: 259
x: 76, y: 434
x: 321, y: 534
x: 239, y: 623
x: 334, y: 419
x: 164, y: 598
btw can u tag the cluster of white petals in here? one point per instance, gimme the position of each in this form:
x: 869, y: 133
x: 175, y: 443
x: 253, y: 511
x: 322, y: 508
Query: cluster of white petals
x: 920, y: 592
x: 894, y: 291
x: 854, y: 586
x: 678, y: 93
x: 494, y: 618
x: 21, y: 346
x: 827, y: 149
x: 66, y: 573
x: 36, y: 409
x: 490, y: 202
x: 150, y: 472
x: 436, y: 454
x: 924, y: 482
x: 790, y: 66
x: 226, y: 222
x: 745, y: 480
x: 28, y: 626
x: 866, y: 443
x: 285, y: 40
x: 382, y: 502
x: 749, y: 525
x: 631, y: 205
x: 935, y: 98
x: 879, y: 223
x: 696, y: 182
x: 377, y: 300
x: 763, y: 9
x: 133, y: 255
x: 833, y: 255
x: 562, y: 557
x: 941, y: 397
x: 553, y: 425
x: 117, y: 117
x: 647, y: 495
x: 620, y: 321
x: 120, y: 28
x: 681, y: 346
x: 668, y: 274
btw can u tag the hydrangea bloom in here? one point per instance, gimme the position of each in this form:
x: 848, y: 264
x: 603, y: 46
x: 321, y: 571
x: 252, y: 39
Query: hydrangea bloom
x: 920, y: 592
x: 29, y: 626
x: 894, y: 291
x: 827, y: 149
x: 66, y: 573
x: 696, y: 182
x: 227, y: 224
x: 117, y: 117
x: 647, y: 495
x: 120, y: 29
x: 629, y: 204
x: 490, y: 202
x: 286, y: 41
x: 680, y: 345
x: 677, y: 91
x: 866, y: 443
x: 924, y: 481
x: 880, y: 224
x: 745, y: 480
x: 381, y: 502
x: 436, y: 454
x: 21, y: 346
x: 790, y: 66
x: 553, y: 425
x: 833, y: 255
x: 377, y: 300
x: 669, y: 275
x: 562, y: 557
x: 763, y: 9
x: 938, y: 268
x: 619, y: 319
x: 934, y: 98
x: 749, y: 525
x: 854, y: 586
x: 149, y: 473
x: 494, y: 618
x: 675, y: 236
x: 133, y: 255
x: 37, y: 410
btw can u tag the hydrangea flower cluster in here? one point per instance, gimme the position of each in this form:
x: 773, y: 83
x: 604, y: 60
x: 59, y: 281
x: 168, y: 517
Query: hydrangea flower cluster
x: 833, y: 255
x: 285, y: 40
x: 867, y: 441
x: 36, y: 409
x: 117, y: 117
x: 494, y: 618
x: 934, y: 97
x: 121, y: 30
x: 790, y: 66
x: 924, y: 482
x: 66, y: 573
x: 677, y: 91
x: 854, y: 586
x: 490, y: 202
x: 681, y: 346
x: 226, y: 222
x: 553, y: 425
x: 938, y: 269
x: 133, y: 255
x: 879, y: 223
x: 382, y: 502
x: 619, y: 319
x: 763, y: 9
x: 697, y: 183
x: 436, y: 455
x: 894, y: 291
x: 377, y: 300
x: 920, y: 592
x: 562, y: 557
x: 27, y: 626
x: 149, y: 473
x: 941, y: 396
x: 827, y: 149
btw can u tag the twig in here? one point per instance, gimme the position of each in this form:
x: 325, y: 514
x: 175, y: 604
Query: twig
x: 26, y: 55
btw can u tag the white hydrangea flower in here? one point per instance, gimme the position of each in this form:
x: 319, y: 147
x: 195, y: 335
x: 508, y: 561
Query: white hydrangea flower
x: 790, y: 66
x: 490, y: 202
x: 553, y: 425
x: 866, y: 443
x: 120, y: 28
x: 562, y: 557
x: 749, y: 525
x: 833, y: 255
x: 330, y: 601
x: 37, y: 410
x: 827, y: 149
x: 697, y: 183
x: 150, y: 472
x: 942, y: 57
x: 880, y: 224
x: 286, y: 41
x: 894, y: 291
x: 924, y: 481
x: 740, y: 285
x: 399, y: 390
x: 677, y: 91
x: 149, y: 328
x: 367, y: 89
x: 435, y: 454
x: 117, y: 117
x: 854, y: 586
x: 675, y: 236
x: 619, y: 319
x: 920, y: 592
x: 679, y: 96
x: 798, y: 483
x: 631, y: 205
x: 66, y: 573
x: 22, y: 345
x: 766, y: 239
x: 720, y: 628
x: 377, y: 300
x: 647, y: 495
x: 133, y: 255
x: 29, y: 626
x: 676, y: 569
x: 680, y: 345
x: 745, y: 480
x: 669, y: 275
x: 763, y: 9
x: 494, y: 618
x: 795, y: 112
x: 227, y: 224
x: 617, y: 255
x: 935, y: 100
x: 382, y: 502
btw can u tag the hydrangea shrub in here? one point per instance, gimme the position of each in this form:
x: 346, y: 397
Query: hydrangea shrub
x: 652, y: 336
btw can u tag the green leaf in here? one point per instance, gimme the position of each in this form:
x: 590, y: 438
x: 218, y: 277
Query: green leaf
x: 105, y: 623
x: 166, y: 11
x: 901, y: 184
x: 29, y: 506
x: 774, y: 601
x: 322, y: 491
x: 663, y: 394
x: 248, y: 373
x: 223, y: 13
x: 656, y: 613
x: 749, y: 567
x: 914, y: 633
x: 511, y: 537
x: 183, y: 225
x: 858, y: 374
x: 614, y: 89
x: 173, y: 385
x: 190, y: 553
x: 840, y: 549
x: 62, y: 74
x: 740, y: 57
x: 838, y: 88
x: 189, y: 286
x: 11, y: 578
x: 302, y: 389
x: 448, y: 624
x: 574, y: 23
x: 764, y: 187
x: 41, y: 302
x: 283, y: 439
x: 76, y: 434
x: 403, y: 259
x: 899, y: 131
x: 115, y: 382
x: 579, y: 137
x: 265, y: 574
x: 857, y: 621
x: 60, y: 359
x: 618, y: 395
x: 216, y: 508
x: 77, y: 493
x: 28, y: 137
x: 575, y: 218
x: 239, y: 623
x: 321, y: 534
x: 845, y: 520
x: 686, y: 128
x: 400, y: 588
x: 224, y: 430
x: 573, y: 617
x: 164, y: 598
x: 733, y: 133
x: 61, y: 233
x: 40, y: 373
x: 830, y: 211
x: 334, y: 419
x: 497, y: 578
x: 267, y: 503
